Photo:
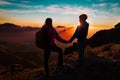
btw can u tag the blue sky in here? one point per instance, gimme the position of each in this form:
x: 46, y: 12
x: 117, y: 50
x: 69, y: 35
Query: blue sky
x: 63, y: 12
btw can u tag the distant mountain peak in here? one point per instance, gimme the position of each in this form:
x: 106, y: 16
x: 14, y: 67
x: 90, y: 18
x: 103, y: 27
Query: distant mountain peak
x: 103, y: 37
x: 117, y: 25
x: 60, y: 27
x: 10, y: 27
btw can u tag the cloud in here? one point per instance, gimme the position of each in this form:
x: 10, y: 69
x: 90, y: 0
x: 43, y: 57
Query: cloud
x: 3, y: 11
x: 88, y: 0
x: 96, y: 0
x: 66, y: 9
x: 5, y: 18
x: 4, y: 2
x: 99, y: 5
x: 53, y: 9
x: 22, y: 4
x: 105, y: 9
x: 105, y: 5
x: 15, y: 4
x: 29, y: 6
x: 114, y: 4
x: 24, y: 1
x: 115, y: 10
x: 101, y: 0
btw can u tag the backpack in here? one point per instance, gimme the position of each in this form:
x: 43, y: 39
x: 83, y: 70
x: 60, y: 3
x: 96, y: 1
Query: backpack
x: 42, y: 39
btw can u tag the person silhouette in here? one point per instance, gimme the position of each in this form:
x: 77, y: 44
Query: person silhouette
x: 52, y: 34
x: 81, y: 34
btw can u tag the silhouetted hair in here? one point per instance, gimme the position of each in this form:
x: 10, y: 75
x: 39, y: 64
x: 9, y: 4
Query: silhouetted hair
x: 83, y: 16
x: 48, y: 21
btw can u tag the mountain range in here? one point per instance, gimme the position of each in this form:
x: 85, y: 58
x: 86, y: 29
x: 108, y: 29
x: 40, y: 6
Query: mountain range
x: 103, y: 37
x: 10, y: 27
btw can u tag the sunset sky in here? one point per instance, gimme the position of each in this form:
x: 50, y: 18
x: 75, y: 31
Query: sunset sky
x: 102, y: 14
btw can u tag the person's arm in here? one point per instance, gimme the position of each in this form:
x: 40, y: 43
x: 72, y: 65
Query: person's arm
x: 58, y: 37
x: 74, y: 35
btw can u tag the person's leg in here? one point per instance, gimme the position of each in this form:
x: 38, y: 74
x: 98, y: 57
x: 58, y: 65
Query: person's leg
x: 46, y: 58
x: 81, y: 46
x: 60, y: 54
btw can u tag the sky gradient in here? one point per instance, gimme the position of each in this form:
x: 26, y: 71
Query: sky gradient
x: 102, y: 14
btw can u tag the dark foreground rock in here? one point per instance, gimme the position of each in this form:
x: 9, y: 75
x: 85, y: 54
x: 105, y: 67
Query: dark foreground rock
x: 94, y: 68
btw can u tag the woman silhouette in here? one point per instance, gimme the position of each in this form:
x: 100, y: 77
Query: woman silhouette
x: 52, y: 34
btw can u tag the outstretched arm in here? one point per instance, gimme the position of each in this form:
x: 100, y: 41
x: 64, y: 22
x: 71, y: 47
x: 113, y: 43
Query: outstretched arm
x: 58, y: 37
x: 74, y: 35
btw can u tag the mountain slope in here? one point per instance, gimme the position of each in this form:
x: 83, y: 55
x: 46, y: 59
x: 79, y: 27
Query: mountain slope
x: 10, y: 27
x: 105, y: 36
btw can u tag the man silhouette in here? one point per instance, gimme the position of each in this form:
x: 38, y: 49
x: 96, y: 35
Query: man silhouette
x: 81, y: 34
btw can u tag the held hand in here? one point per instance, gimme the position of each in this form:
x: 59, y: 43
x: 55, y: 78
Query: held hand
x: 67, y: 42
